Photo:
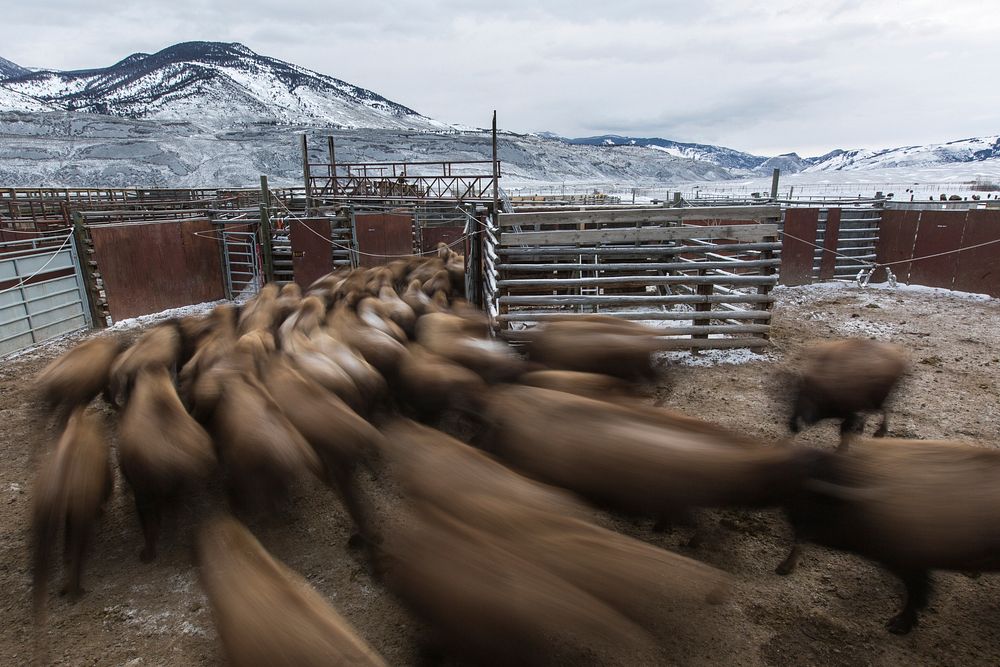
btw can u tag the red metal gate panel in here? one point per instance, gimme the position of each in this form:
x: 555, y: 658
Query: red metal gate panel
x: 312, y: 253
x: 796, y: 249
x: 151, y: 267
x: 831, y: 238
x: 431, y: 236
x: 896, y: 235
x: 939, y: 232
x: 977, y: 269
x: 382, y: 237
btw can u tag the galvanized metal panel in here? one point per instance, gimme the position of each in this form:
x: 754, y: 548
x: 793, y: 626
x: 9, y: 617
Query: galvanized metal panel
x: 42, y: 294
x: 382, y: 237
x: 797, y: 247
x: 897, y: 234
x: 978, y: 269
x: 312, y: 254
x: 151, y: 267
x: 939, y: 232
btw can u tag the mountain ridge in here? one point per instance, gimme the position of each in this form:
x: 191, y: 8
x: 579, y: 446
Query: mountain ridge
x: 224, y: 82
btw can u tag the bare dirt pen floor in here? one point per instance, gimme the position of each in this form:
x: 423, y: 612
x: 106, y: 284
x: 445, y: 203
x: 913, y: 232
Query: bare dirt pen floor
x: 830, y: 612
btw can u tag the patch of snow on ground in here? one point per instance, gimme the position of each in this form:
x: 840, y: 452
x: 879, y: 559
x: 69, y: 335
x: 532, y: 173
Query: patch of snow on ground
x: 804, y: 291
x: 153, y: 318
x: 707, y: 358
x: 862, y: 327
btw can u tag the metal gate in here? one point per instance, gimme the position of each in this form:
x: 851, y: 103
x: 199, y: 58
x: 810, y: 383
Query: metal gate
x: 243, y: 267
x: 42, y: 292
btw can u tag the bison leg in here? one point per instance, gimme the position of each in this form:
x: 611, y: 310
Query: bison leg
x: 883, y: 430
x: 918, y: 588
x: 344, y: 480
x: 852, y: 425
x: 76, y: 547
x: 149, y: 511
x: 788, y: 565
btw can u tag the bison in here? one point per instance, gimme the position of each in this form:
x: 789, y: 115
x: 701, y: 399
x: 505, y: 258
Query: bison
x: 265, y: 613
x: 912, y: 506
x: 162, y: 450
x: 842, y: 380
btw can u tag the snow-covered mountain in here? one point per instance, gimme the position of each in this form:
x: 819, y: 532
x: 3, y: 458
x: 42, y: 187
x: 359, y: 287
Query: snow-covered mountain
x: 724, y: 157
x: 225, y: 84
x: 81, y: 149
x: 11, y: 100
x: 208, y: 113
x: 740, y: 163
x: 963, y: 150
x: 9, y: 69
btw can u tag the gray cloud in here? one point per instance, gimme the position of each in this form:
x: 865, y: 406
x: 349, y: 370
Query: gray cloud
x: 788, y: 75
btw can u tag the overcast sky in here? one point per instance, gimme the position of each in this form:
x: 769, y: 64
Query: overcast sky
x: 762, y: 77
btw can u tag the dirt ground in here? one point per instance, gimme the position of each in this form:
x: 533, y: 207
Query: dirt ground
x: 830, y: 612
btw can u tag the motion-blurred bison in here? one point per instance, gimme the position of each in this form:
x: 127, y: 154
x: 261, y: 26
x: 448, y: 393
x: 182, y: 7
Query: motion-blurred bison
x: 842, y: 380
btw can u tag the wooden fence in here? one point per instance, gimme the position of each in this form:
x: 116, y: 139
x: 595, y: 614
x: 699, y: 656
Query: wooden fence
x: 708, y: 271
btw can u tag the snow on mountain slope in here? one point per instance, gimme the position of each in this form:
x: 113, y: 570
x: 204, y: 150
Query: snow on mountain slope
x: 225, y: 83
x: 78, y: 149
x: 719, y: 155
x: 11, y: 100
x: 962, y: 150
x: 9, y: 69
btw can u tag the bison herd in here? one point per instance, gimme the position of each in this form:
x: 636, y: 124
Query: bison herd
x: 465, y: 467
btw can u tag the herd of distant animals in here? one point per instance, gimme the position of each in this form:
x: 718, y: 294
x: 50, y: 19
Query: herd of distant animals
x: 484, y: 538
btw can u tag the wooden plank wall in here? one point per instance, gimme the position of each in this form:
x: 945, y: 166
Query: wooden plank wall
x: 711, y: 266
x: 149, y: 267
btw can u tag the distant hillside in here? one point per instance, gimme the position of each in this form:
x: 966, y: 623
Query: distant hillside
x: 214, y: 82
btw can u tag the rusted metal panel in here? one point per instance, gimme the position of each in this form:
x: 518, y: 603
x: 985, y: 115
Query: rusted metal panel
x: 831, y: 239
x: 151, y: 267
x: 796, y: 246
x: 978, y: 269
x: 939, y: 232
x: 896, y: 236
x: 431, y: 236
x: 382, y: 237
x: 312, y: 254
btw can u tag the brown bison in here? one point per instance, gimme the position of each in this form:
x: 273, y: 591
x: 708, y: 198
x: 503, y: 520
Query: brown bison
x: 596, y: 345
x: 267, y: 614
x: 75, y: 378
x: 508, y: 570
x: 162, y: 451
x: 633, y: 459
x: 912, y: 506
x: 70, y: 491
x: 842, y: 380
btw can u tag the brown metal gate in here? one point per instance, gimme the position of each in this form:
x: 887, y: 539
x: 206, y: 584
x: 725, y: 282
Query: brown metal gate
x: 149, y: 267
x: 312, y: 254
x: 382, y: 236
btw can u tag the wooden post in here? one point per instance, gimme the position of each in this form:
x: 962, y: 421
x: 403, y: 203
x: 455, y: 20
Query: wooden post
x: 496, y: 168
x: 97, y: 305
x: 265, y: 227
x: 333, y: 166
x: 706, y: 290
x: 305, y: 174
x: 774, y: 184
x: 765, y: 289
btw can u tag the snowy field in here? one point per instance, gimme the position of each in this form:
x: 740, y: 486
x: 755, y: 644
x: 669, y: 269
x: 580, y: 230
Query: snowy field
x: 925, y: 182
